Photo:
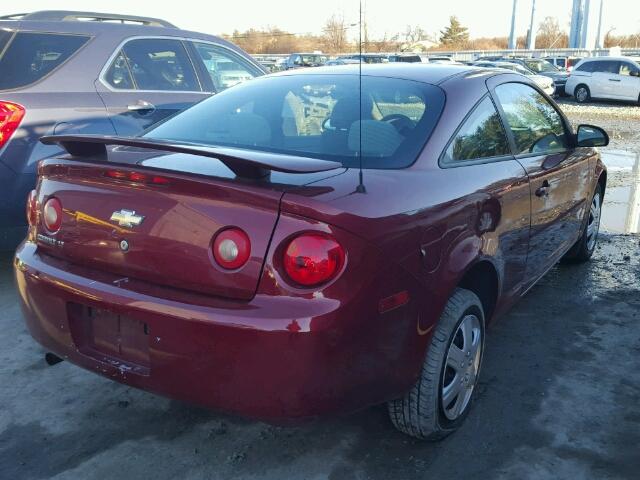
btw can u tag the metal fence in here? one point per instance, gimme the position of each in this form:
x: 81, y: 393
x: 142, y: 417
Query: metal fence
x: 470, y: 55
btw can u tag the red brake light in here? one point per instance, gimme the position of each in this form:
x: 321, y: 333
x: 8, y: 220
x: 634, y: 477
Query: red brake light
x: 231, y: 248
x: 313, y: 258
x: 52, y: 215
x: 11, y: 115
x: 32, y: 208
x: 137, y: 177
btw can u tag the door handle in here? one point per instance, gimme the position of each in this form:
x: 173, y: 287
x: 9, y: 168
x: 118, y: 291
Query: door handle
x: 543, y: 191
x: 614, y: 80
x: 143, y: 107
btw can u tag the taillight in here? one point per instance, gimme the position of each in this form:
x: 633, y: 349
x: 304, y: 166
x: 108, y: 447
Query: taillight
x: 313, y: 258
x: 137, y: 177
x: 32, y: 208
x: 231, y: 248
x: 52, y: 215
x: 11, y: 115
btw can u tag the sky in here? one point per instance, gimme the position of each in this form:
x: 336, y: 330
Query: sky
x: 488, y: 18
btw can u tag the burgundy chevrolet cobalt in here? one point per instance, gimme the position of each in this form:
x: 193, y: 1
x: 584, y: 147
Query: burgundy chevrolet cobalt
x: 312, y: 242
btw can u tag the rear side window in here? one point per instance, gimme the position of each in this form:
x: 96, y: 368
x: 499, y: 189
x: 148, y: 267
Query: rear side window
x: 480, y: 136
x: 585, y: 67
x: 606, y: 66
x: 225, y: 68
x: 536, y: 126
x: 153, y: 64
x: 28, y: 57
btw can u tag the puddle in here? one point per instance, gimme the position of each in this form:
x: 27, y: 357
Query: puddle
x: 621, y: 208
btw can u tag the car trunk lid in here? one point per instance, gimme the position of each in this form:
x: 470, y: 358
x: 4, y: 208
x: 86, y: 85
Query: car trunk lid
x: 138, y: 214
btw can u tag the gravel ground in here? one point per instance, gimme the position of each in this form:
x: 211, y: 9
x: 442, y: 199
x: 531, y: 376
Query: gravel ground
x: 620, y: 120
x: 558, y: 399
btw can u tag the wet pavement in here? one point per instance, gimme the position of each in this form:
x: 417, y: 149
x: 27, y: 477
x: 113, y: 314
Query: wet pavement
x: 559, y: 396
x: 621, y: 210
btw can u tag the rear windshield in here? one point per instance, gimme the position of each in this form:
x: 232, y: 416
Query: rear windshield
x: 5, y: 36
x: 316, y: 115
x: 30, y: 56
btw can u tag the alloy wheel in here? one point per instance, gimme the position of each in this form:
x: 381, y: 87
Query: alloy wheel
x: 582, y: 95
x: 462, y: 367
x: 593, y: 226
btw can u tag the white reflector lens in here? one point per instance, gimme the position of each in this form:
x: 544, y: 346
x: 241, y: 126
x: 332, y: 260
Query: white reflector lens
x: 228, y: 250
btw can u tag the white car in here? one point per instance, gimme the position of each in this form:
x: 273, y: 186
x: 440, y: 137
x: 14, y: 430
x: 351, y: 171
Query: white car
x: 615, y: 78
x: 545, y: 83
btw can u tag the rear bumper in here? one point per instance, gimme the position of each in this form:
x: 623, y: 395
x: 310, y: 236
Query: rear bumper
x: 271, y: 358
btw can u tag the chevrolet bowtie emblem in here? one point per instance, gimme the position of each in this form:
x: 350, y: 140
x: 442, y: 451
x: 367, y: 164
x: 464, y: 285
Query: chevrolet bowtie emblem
x: 127, y: 218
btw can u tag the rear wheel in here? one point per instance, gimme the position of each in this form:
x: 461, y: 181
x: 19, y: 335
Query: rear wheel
x: 583, y: 249
x: 582, y: 94
x: 440, y: 400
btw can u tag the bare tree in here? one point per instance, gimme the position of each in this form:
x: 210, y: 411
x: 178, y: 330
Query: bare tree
x: 414, y: 34
x: 550, y: 35
x: 335, y: 34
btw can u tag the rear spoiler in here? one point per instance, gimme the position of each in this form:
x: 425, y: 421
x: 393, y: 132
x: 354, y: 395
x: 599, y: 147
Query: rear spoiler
x: 244, y: 163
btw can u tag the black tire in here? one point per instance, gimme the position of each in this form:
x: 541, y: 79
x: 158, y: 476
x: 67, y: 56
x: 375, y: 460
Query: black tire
x: 577, y: 93
x: 420, y: 412
x: 583, y: 249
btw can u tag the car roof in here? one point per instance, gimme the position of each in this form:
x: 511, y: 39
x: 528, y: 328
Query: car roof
x: 63, y: 21
x: 118, y: 31
x: 422, y: 72
x: 591, y: 59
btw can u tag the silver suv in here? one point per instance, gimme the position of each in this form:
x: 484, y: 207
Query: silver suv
x: 85, y: 72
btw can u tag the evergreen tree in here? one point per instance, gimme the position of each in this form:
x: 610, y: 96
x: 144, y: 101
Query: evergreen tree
x: 454, y: 35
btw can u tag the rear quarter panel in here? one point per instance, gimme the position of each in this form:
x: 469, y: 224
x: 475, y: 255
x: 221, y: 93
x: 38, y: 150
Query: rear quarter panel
x: 437, y: 210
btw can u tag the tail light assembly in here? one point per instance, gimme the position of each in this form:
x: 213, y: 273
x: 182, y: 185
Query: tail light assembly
x: 52, y: 215
x: 11, y: 114
x: 313, y: 258
x: 231, y: 248
x: 32, y: 208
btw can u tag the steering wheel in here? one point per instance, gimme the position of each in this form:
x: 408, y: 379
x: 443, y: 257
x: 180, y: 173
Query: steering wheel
x: 402, y: 123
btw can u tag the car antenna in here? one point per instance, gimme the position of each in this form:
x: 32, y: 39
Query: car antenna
x: 360, y: 188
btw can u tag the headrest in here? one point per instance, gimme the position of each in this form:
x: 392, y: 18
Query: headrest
x: 379, y: 139
x: 347, y: 110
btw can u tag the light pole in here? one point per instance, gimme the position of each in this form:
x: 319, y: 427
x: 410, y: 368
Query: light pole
x: 531, y: 44
x: 512, y: 35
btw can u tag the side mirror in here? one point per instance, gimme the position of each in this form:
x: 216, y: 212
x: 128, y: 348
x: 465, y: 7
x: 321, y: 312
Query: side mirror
x: 591, y: 136
x: 635, y: 73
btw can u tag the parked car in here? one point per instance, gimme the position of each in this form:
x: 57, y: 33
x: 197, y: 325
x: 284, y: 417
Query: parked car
x: 405, y: 57
x: 545, y: 83
x: 563, y: 63
x: 440, y: 59
x: 95, y: 76
x: 542, y: 67
x: 302, y: 60
x: 614, y: 78
x: 262, y: 257
x: 367, y: 57
x: 341, y: 61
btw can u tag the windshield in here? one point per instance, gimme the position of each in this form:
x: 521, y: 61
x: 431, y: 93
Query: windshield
x: 515, y: 67
x: 539, y: 66
x: 317, y: 116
